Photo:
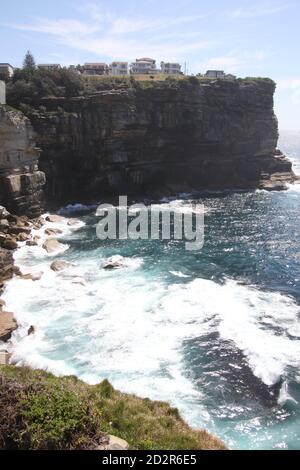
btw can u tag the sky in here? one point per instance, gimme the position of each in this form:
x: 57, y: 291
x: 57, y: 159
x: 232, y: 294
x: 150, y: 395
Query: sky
x: 247, y: 38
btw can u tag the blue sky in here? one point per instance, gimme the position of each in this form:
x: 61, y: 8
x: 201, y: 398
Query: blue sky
x: 248, y: 38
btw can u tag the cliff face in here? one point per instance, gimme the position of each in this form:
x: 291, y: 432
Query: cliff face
x: 182, y: 135
x: 20, y: 180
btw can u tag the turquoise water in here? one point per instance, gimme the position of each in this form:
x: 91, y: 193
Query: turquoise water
x: 214, y: 332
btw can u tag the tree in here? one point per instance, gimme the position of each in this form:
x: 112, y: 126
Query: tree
x: 29, y: 62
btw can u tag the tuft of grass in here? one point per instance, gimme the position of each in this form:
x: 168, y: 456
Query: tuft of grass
x: 42, y: 411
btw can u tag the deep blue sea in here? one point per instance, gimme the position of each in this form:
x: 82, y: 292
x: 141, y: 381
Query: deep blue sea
x: 215, y: 332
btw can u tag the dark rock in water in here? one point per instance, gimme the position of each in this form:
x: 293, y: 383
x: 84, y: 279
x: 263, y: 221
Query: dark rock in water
x: 55, y: 218
x: 6, y: 265
x: 115, y: 262
x: 33, y: 242
x: 31, y: 330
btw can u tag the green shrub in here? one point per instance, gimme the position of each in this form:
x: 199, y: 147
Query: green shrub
x: 40, y: 411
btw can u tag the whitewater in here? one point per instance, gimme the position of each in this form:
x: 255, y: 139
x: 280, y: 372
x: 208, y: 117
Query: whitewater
x: 215, y: 333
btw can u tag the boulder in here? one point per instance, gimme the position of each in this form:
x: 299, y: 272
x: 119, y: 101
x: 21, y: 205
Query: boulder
x: 51, y: 245
x: 31, y: 330
x: 60, y: 265
x: 115, y: 262
x: 4, y: 224
x: 39, y: 222
x: 10, y: 244
x: 7, y: 325
x: 3, y: 212
x: 33, y: 242
x: 2, y: 303
x: 72, y: 222
x: 55, y: 218
x: 32, y: 276
x: 23, y: 237
x: 16, y: 229
x: 4, y: 358
x: 114, y: 443
x: 6, y: 265
x: 53, y: 231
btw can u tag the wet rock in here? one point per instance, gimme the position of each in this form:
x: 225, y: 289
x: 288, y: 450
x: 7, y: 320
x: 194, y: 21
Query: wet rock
x: 51, y: 245
x: 39, y: 222
x: 23, y: 237
x: 10, y: 244
x: 7, y: 325
x: 31, y: 330
x: 2, y: 304
x: 55, y: 218
x: 60, y: 265
x: 53, y: 231
x: 72, y: 222
x: 115, y: 262
x: 32, y: 276
x: 33, y: 242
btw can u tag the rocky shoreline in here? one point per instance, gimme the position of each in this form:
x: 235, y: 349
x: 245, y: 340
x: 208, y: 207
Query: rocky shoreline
x: 15, y: 232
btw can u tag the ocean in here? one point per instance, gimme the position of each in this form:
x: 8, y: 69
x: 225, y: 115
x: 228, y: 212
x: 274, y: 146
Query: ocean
x: 215, y: 332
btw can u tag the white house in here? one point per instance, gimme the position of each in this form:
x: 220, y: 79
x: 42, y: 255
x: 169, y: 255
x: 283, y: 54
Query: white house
x: 119, y: 68
x: 170, y: 68
x: 215, y: 74
x: 2, y: 92
x: 6, y: 69
x: 143, y: 66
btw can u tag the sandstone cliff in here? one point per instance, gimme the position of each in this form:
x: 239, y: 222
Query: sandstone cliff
x: 20, y: 180
x: 175, y: 134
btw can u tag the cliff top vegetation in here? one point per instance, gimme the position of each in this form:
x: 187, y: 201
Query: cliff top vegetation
x: 30, y: 85
x: 46, y: 412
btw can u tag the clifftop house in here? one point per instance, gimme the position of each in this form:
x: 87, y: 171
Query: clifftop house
x: 95, y: 68
x: 6, y: 68
x: 170, y: 68
x: 215, y: 74
x: 119, y: 68
x: 143, y: 66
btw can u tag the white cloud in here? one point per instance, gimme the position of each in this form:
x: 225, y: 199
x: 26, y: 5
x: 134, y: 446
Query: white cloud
x: 258, y: 10
x: 108, y: 35
x: 61, y: 27
x: 293, y: 86
x: 234, y: 61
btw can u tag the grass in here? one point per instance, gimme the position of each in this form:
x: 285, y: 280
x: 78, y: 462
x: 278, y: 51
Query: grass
x: 42, y: 411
